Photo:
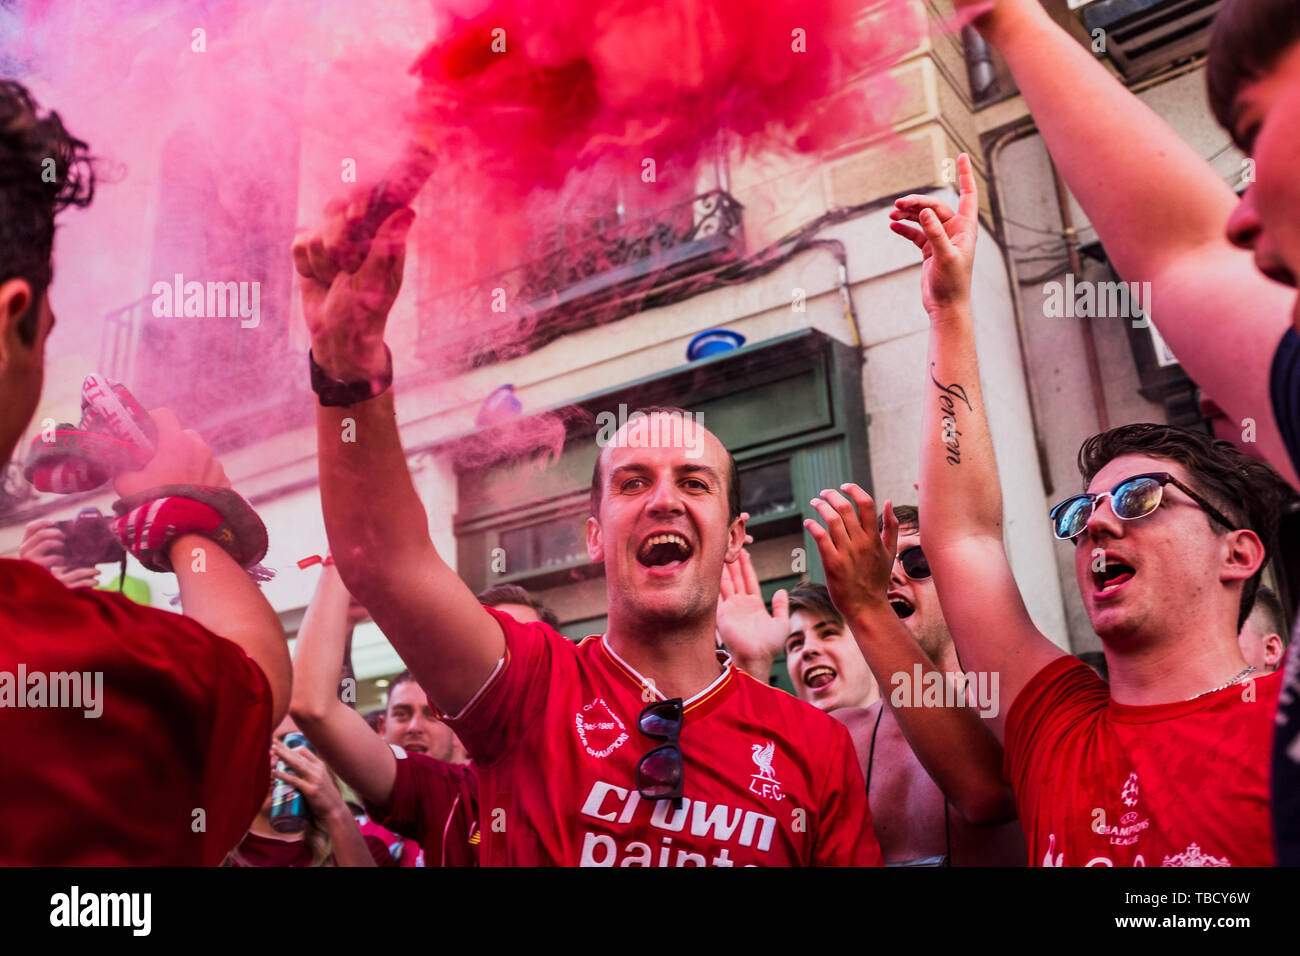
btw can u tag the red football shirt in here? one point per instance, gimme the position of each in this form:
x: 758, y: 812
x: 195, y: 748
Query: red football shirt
x: 769, y: 780
x: 1099, y: 783
x: 184, y: 720
x: 436, y: 804
x: 260, y: 849
x: 387, y: 848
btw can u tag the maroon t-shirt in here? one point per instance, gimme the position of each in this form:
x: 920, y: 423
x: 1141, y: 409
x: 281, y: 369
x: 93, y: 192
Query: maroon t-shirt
x: 436, y: 804
x: 172, y: 769
x: 258, y: 849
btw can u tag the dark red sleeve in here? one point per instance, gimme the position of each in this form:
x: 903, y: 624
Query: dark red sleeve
x: 508, y: 703
x: 845, y: 836
x: 236, y: 769
x: 173, y: 768
x: 216, y: 702
x: 377, y: 844
x: 1057, y: 698
x: 435, y: 804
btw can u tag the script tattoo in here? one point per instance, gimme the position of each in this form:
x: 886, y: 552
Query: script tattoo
x: 948, y: 394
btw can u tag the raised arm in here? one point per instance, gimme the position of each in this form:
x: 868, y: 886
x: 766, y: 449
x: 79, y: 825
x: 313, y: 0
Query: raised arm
x: 1160, y: 210
x: 957, y: 750
x: 215, y: 591
x: 340, y: 735
x: 377, y: 526
x: 960, y: 498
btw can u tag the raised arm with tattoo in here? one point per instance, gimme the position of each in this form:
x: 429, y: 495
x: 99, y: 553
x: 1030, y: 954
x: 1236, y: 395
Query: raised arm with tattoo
x: 960, y: 499
x: 377, y: 526
x: 1160, y: 210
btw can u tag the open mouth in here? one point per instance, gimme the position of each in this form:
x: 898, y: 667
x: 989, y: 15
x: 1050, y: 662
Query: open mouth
x: 1113, y: 575
x: 415, y: 748
x: 662, y: 549
x: 816, y: 678
x: 902, y: 606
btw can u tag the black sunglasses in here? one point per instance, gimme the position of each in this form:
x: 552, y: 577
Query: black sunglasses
x: 1134, y: 497
x: 914, y: 563
x: 660, y: 773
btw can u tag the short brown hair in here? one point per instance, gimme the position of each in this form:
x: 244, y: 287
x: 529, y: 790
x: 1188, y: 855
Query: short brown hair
x: 1269, y: 606
x: 500, y: 594
x: 909, y: 519
x: 1249, y: 38
x: 405, y: 677
x: 813, y: 598
x: 733, y: 474
x: 1247, y: 491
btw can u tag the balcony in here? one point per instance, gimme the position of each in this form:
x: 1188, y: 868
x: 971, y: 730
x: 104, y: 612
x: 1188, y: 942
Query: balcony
x: 600, y: 271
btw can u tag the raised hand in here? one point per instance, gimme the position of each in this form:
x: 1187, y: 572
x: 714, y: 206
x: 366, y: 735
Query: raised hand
x: 181, y: 458
x: 349, y: 286
x: 946, y: 240
x: 752, y: 635
x: 856, y: 557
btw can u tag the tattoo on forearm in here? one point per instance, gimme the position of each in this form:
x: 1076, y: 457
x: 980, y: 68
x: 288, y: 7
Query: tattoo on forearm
x: 948, y: 396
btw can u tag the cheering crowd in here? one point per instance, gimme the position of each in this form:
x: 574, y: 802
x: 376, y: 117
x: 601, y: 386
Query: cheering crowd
x: 662, y: 742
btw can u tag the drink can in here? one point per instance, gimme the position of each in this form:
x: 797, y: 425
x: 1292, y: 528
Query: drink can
x: 289, y: 810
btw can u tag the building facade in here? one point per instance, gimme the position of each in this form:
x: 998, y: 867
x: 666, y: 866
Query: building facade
x: 796, y: 257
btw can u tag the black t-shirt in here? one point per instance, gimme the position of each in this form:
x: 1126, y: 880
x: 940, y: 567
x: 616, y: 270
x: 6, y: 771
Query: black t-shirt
x: 1284, y: 385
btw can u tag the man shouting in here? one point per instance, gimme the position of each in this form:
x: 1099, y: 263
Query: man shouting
x: 641, y: 747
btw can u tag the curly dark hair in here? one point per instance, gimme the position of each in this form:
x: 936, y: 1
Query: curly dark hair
x: 43, y: 170
x: 1248, y: 491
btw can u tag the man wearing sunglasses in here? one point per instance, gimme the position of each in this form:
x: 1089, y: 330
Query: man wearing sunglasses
x: 1169, y: 764
x: 641, y: 747
x: 1166, y: 216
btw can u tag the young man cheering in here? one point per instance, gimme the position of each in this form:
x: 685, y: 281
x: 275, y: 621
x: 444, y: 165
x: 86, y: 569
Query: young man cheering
x: 1169, y: 764
x: 644, y: 746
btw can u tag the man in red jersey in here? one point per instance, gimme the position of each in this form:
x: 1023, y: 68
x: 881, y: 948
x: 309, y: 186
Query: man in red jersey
x: 1168, y: 765
x: 404, y: 776
x: 162, y: 759
x: 643, y: 746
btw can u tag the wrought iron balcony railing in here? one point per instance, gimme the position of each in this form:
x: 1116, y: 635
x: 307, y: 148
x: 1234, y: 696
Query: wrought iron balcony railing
x: 608, y: 271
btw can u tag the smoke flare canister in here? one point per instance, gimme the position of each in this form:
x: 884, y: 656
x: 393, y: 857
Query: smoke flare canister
x: 289, y: 810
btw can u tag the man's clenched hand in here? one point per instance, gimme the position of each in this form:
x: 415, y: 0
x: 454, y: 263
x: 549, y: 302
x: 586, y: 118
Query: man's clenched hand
x: 348, y: 288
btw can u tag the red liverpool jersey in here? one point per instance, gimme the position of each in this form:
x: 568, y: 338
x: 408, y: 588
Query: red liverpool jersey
x: 435, y: 803
x: 128, y: 735
x: 1099, y: 783
x: 769, y: 780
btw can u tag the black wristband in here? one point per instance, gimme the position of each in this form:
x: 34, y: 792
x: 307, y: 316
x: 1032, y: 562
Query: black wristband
x: 332, y: 392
